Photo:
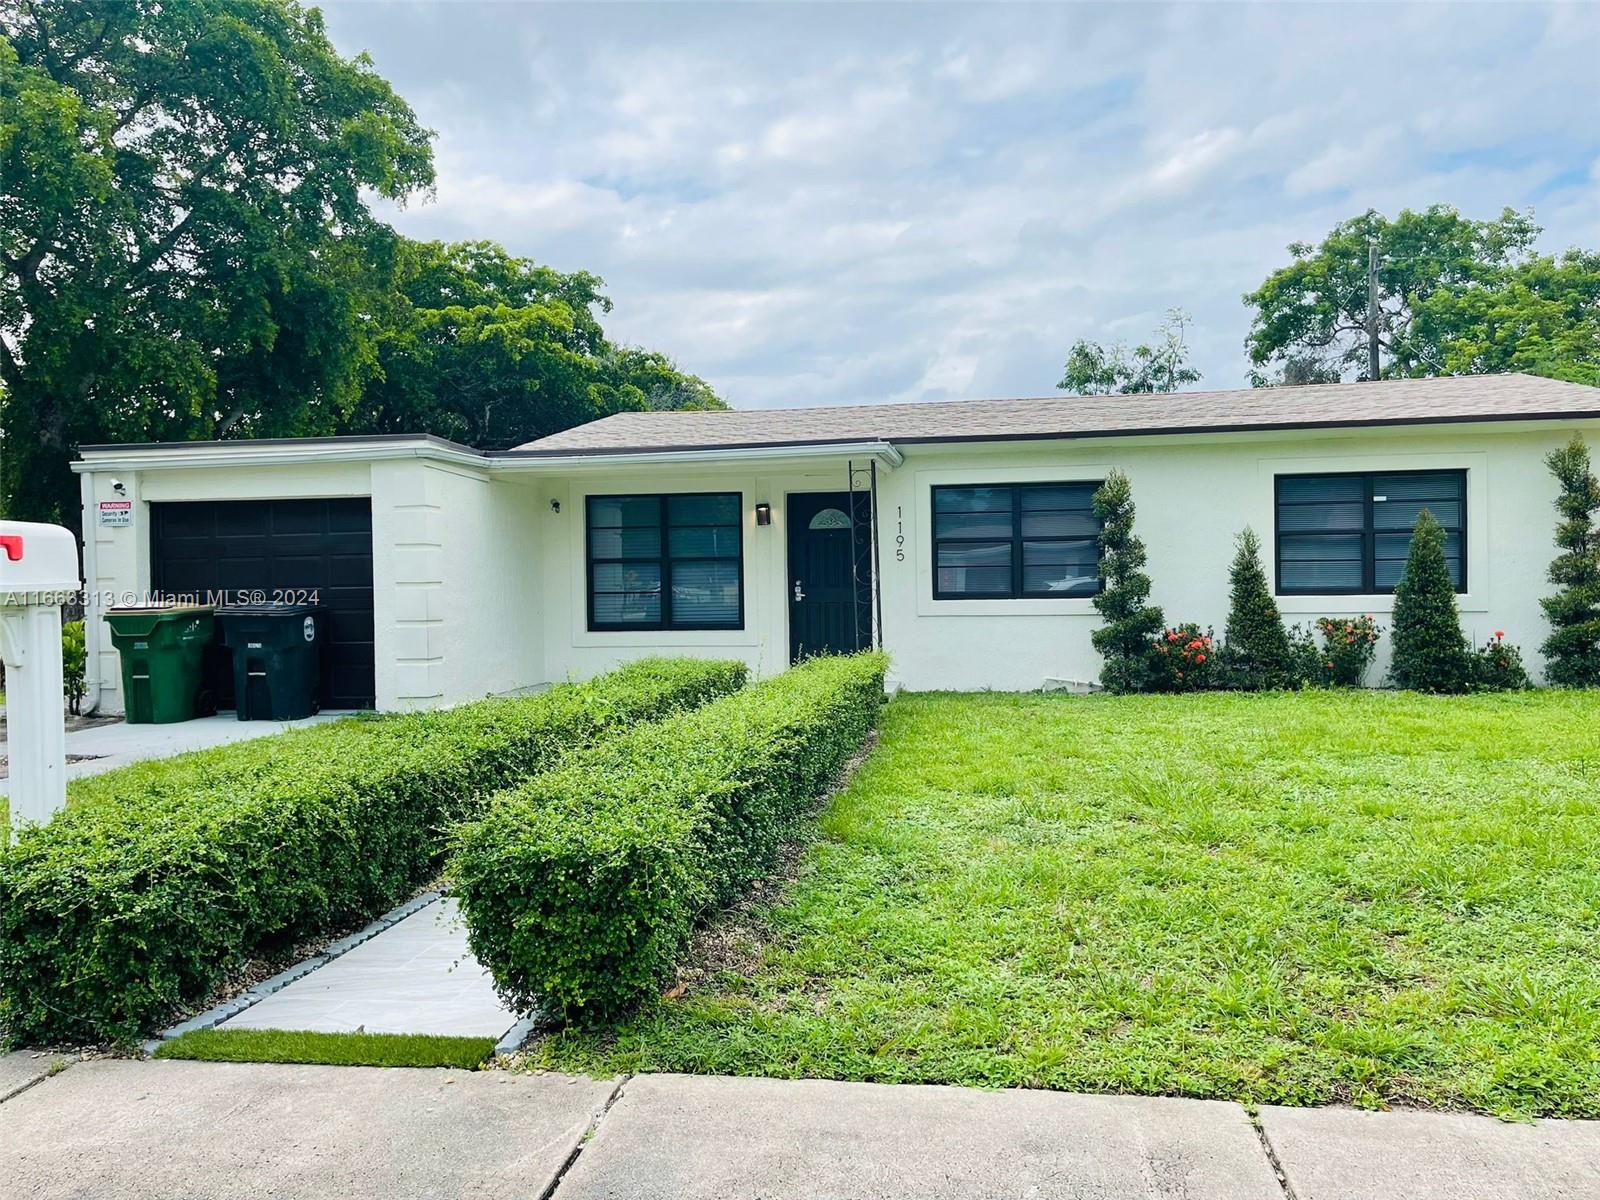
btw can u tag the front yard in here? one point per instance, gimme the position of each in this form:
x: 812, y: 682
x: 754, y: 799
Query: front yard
x: 1375, y: 897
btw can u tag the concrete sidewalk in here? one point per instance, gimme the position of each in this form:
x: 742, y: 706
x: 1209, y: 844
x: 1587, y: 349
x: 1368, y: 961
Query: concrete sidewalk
x: 143, y: 1130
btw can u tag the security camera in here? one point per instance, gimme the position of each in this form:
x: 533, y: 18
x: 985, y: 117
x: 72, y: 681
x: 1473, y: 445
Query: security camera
x: 119, y: 487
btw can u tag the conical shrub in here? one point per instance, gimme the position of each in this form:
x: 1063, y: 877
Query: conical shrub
x: 1430, y: 652
x: 1256, y: 652
x: 1127, y: 640
x: 1572, y: 651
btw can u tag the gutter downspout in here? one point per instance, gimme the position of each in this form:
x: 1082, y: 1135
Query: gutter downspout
x: 92, y: 685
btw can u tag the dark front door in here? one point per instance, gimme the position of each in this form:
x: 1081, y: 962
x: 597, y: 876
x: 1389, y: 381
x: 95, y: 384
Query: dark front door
x: 267, y: 546
x: 830, y: 605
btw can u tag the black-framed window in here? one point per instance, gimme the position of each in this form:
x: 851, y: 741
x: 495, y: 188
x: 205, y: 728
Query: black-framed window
x: 666, y: 562
x: 1015, y: 540
x: 1349, y: 534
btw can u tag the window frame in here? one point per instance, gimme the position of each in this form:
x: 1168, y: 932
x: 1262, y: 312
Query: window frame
x: 664, y: 561
x: 1369, y: 531
x: 1016, y: 540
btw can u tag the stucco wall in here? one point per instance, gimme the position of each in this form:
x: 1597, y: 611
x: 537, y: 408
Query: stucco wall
x: 455, y: 595
x: 1194, y: 494
x: 456, y: 603
x: 480, y: 581
x: 573, y: 652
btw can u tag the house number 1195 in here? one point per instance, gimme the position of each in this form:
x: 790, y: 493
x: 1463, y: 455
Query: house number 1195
x: 899, y: 533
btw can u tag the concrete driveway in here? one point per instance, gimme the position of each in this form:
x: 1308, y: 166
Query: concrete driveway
x: 142, y: 1130
x: 104, y: 747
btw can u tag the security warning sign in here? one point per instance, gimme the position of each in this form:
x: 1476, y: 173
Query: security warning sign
x: 116, y: 513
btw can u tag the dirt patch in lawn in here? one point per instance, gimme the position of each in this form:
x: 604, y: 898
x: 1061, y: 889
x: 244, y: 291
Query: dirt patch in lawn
x: 736, y: 939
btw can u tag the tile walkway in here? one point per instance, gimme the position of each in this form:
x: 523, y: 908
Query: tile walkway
x: 416, y: 977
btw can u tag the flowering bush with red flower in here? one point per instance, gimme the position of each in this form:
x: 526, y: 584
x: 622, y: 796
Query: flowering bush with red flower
x: 1497, y: 666
x: 1190, y: 657
x: 1349, y: 645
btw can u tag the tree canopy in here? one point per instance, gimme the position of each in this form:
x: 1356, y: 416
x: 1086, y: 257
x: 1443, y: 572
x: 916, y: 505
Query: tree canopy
x: 1455, y: 296
x: 492, y: 350
x: 187, y: 251
x: 182, y: 203
x: 1161, y: 365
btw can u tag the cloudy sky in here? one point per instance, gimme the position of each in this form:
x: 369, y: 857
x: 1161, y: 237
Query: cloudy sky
x: 832, y: 204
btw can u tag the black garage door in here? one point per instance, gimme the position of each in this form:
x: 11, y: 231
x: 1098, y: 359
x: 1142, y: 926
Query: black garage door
x: 270, y: 545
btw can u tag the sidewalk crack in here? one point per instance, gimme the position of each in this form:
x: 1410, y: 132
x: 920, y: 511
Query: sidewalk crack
x: 588, y: 1135
x: 1272, y: 1155
x: 56, y: 1067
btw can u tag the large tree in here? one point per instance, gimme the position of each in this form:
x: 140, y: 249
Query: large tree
x: 1440, y: 293
x: 1540, y: 316
x: 492, y: 350
x: 1159, y: 365
x: 183, y: 230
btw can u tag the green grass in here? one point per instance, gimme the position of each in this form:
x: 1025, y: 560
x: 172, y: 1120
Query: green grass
x: 1368, y: 897
x: 338, y: 1049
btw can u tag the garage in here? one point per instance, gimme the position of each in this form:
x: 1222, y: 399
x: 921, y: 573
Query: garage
x: 239, y: 547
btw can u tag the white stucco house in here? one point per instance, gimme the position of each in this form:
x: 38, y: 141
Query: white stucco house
x: 958, y: 534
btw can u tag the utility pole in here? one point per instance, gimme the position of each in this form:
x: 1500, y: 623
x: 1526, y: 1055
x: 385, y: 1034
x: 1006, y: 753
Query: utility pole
x: 1372, y: 308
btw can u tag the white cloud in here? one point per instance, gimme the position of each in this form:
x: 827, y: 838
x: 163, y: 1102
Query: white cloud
x: 812, y: 205
x: 1195, y: 157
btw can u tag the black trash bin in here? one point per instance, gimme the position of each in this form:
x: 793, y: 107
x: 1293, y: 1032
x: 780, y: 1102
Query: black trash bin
x: 277, y: 658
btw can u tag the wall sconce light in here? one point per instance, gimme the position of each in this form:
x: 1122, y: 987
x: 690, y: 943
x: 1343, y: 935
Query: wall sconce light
x: 763, y: 513
x: 555, y: 506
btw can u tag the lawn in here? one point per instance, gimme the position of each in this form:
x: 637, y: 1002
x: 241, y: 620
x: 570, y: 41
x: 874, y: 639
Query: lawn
x: 339, y: 1049
x: 1375, y: 897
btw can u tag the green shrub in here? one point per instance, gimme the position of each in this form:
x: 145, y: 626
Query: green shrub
x: 1257, y: 654
x: 1190, y: 657
x: 1306, y: 663
x: 1497, y: 667
x: 1127, y: 640
x: 581, y: 887
x: 74, y: 665
x: 1349, y: 644
x: 1430, y: 651
x: 1572, y: 651
x: 160, y: 877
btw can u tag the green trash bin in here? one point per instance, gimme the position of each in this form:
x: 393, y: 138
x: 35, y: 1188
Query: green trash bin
x: 277, y: 658
x: 162, y: 650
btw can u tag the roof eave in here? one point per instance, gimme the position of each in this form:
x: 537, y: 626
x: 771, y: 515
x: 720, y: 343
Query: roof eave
x: 881, y: 450
x: 267, y: 452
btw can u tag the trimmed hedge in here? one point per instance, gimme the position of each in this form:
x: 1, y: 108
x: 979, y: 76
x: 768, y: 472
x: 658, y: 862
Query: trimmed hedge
x: 161, y: 877
x: 580, y: 888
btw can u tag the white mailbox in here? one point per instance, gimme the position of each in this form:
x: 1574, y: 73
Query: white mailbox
x: 38, y: 573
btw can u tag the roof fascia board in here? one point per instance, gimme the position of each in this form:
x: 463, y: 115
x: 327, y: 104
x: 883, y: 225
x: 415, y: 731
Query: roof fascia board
x: 525, y: 461
x: 177, y: 456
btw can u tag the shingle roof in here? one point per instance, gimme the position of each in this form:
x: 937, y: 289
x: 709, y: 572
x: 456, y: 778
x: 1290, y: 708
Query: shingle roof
x: 1387, y: 402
